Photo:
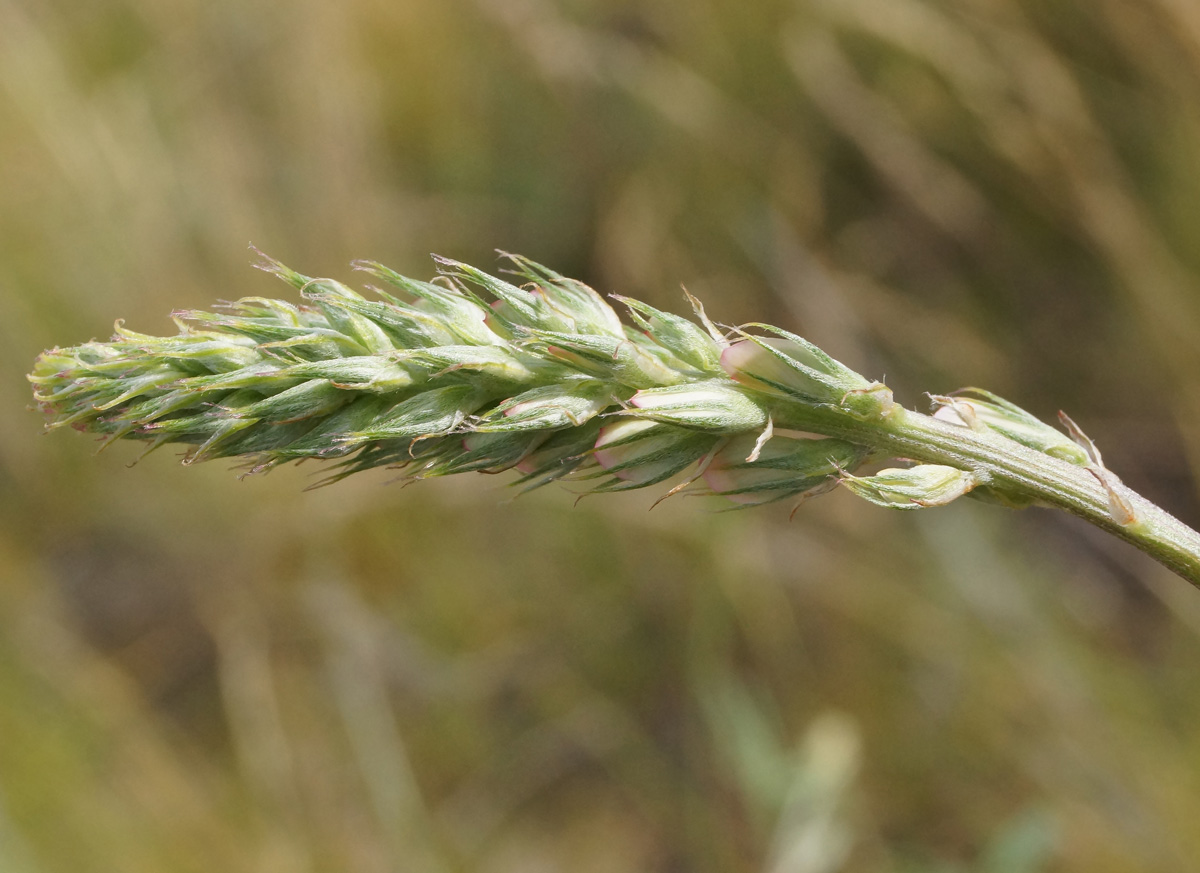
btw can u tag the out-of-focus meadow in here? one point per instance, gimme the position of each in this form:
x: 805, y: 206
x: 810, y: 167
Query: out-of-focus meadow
x: 204, y: 674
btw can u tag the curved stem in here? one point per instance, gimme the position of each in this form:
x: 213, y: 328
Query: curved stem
x: 1015, y: 470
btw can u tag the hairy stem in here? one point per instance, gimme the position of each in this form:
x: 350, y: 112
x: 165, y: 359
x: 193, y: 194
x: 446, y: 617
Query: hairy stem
x: 1015, y: 470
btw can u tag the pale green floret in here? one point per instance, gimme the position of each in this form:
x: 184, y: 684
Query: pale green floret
x: 485, y: 452
x: 912, y: 487
x: 687, y: 342
x: 784, y: 468
x: 523, y: 307
x: 430, y: 413
x: 790, y: 366
x: 983, y: 410
x: 549, y: 407
x: 639, y: 452
x: 714, y: 405
x: 489, y: 367
x: 446, y: 310
x: 560, y: 455
x: 620, y: 360
x: 317, y: 397
x: 587, y: 311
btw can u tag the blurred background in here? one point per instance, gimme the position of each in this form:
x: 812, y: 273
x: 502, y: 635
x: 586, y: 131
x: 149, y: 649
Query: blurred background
x: 199, y: 673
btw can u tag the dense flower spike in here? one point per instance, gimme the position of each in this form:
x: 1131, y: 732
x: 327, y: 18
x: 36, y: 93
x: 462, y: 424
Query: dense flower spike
x: 433, y: 377
x: 471, y: 372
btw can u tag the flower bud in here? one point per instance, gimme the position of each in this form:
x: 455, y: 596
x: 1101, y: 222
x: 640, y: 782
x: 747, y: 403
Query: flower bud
x: 987, y: 411
x: 713, y: 405
x: 792, y: 366
x: 785, y: 467
x: 490, y: 366
x: 568, y: 404
x: 435, y: 411
x: 206, y: 351
x: 522, y: 307
x: 361, y: 320
x: 681, y: 337
x: 316, y: 397
x: 561, y: 454
x: 486, y: 452
x: 642, y: 452
x: 586, y: 309
x: 606, y: 357
x: 438, y: 307
x: 912, y: 487
x: 372, y: 373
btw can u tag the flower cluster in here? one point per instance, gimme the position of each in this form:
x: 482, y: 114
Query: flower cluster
x: 470, y: 372
x: 434, y: 377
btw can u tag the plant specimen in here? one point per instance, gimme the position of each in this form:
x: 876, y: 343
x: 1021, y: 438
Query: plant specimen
x: 472, y: 372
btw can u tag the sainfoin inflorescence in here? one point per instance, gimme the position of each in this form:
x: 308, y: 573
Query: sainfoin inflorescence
x: 432, y: 377
x: 537, y: 373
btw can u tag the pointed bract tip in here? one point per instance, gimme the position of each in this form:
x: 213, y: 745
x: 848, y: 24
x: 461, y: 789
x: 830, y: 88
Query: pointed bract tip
x: 268, y: 264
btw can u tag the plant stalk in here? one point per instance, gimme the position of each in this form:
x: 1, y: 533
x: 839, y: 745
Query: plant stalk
x: 1015, y: 469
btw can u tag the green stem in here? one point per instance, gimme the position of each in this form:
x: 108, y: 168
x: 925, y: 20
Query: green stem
x: 1013, y: 469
